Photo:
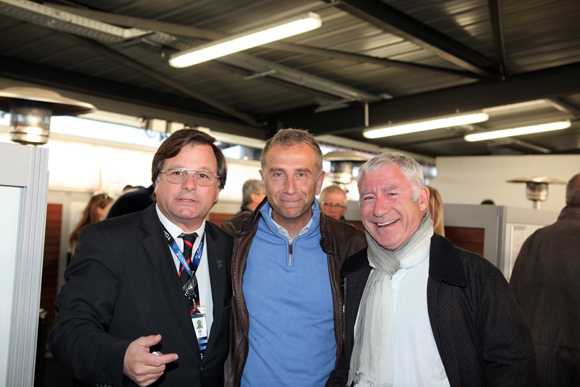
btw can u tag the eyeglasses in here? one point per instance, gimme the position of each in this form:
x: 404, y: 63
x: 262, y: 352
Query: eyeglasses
x: 326, y: 204
x: 179, y: 175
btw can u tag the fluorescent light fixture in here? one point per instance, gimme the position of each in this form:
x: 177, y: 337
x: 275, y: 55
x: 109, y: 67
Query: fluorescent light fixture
x: 239, y: 42
x: 419, y: 126
x: 518, y: 131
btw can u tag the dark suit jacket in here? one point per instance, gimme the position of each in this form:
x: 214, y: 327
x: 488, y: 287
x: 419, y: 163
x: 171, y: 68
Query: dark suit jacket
x: 478, y: 327
x: 122, y: 284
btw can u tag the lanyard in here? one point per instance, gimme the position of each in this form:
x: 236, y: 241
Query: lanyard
x: 196, y: 258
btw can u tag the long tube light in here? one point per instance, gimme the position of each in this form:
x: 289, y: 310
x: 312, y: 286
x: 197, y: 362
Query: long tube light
x: 518, y: 131
x: 419, y: 126
x: 239, y: 42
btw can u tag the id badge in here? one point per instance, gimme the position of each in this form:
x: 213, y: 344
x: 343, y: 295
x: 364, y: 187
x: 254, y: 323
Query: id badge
x: 201, y: 328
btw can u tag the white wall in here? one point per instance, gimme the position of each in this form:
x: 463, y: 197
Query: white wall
x: 469, y: 180
x: 10, y: 209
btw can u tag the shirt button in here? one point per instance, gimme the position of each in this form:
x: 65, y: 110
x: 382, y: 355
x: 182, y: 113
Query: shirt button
x: 201, y: 369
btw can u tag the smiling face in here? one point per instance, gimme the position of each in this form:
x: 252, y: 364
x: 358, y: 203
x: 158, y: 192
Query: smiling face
x: 289, y: 179
x: 186, y: 205
x: 388, y: 211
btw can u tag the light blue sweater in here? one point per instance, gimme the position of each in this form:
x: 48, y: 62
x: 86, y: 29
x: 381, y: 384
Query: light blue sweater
x: 289, y: 299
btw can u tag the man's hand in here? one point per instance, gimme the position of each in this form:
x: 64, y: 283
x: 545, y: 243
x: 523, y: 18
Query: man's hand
x: 143, y: 367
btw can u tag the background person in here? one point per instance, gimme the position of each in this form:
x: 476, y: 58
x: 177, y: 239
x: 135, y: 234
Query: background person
x: 132, y: 201
x: 333, y: 202
x: 287, y: 323
x: 95, y: 211
x: 252, y: 195
x: 124, y: 298
x: 427, y: 314
x: 435, y: 209
x: 546, y: 282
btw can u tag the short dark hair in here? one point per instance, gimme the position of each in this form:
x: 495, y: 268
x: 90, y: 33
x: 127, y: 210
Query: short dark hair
x: 573, y: 190
x: 180, y: 139
x: 292, y: 137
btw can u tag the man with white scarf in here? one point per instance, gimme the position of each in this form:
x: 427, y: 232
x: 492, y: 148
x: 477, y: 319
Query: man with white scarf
x: 420, y: 311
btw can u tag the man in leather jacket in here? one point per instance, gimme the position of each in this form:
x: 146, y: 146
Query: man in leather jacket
x: 546, y: 282
x: 287, y: 307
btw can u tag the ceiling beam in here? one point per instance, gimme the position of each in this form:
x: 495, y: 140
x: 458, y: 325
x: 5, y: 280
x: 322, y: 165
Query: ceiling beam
x: 272, y: 81
x: 498, y: 38
x: 334, y: 54
x: 163, y: 79
x: 52, y: 77
x: 193, y: 32
x: 564, y: 106
x: 389, y: 19
x: 539, y: 84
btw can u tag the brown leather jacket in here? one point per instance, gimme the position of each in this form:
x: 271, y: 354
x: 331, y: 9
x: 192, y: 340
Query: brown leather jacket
x: 338, y: 240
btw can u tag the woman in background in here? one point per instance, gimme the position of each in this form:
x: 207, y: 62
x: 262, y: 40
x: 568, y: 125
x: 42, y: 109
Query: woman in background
x: 95, y: 211
x: 435, y: 209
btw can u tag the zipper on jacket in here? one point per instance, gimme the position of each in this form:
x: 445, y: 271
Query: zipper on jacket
x: 343, y: 297
x: 289, y: 253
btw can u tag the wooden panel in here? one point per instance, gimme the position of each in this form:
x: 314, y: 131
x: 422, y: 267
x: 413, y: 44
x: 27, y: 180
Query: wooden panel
x: 470, y: 239
x: 217, y: 218
x: 51, y: 261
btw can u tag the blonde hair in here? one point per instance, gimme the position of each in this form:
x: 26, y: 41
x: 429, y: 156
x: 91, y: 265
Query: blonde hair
x: 435, y: 209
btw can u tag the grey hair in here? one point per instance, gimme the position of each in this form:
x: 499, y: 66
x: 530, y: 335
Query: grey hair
x: 292, y: 137
x: 409, y: 167
x: 250, y: 187
x: 573, y: 190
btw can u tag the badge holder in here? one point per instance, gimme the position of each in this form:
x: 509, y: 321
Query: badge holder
x: 200, y: 325
x: 198, y: 317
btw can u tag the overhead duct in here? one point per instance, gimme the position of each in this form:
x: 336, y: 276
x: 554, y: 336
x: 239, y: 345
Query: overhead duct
x: 67, y: 22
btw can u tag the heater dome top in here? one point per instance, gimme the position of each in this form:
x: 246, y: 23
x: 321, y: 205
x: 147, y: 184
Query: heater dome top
x: 536, y: 179
x: 60, y: 105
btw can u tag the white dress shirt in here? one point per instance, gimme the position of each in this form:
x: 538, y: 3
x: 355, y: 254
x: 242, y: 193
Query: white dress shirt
x: 416, y: 360
x: 202, y: 273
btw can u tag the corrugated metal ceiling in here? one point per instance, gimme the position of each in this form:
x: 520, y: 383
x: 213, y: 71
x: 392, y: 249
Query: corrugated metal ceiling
x: 532, y: 37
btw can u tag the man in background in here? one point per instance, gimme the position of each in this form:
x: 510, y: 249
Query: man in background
x: 132, y: 201
x: 424, y: 313
x: 126, y: 316
x: 252, y: 195
x: 546, y: 282
x: 333, y: 202
x: 287, y: 314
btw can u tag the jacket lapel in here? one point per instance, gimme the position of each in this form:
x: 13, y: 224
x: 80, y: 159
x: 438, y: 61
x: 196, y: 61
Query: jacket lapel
x: 218, y: 273
x: 159, y: 255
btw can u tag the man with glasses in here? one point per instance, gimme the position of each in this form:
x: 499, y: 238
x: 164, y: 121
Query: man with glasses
x: 140, y: 284
x: 333, y: 202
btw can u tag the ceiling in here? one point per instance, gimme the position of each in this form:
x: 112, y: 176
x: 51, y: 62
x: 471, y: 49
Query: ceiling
x: 397, y: 60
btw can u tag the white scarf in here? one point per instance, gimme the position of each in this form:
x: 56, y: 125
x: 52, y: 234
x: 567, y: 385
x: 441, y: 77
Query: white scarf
x: 371, y: 364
